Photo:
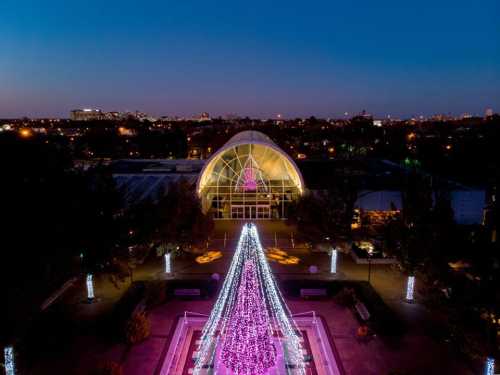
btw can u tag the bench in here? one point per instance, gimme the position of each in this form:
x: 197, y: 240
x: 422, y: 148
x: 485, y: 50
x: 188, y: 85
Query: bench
x: 58, y: 293
x: 319, y: 292
x: 187, y: 292
x: 362, y: 311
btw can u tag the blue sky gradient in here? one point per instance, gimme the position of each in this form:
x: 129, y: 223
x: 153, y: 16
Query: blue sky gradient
x: 257, y: 58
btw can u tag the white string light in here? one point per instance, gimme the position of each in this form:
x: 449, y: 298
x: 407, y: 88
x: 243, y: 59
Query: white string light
x: 250, y: 248
x: 333, y: 265
x: 8, y: 354
x: 168, y: 264
x: 209, y: 339
x: 90, y: 287
x: 281, y: 313
x: 410, y: 287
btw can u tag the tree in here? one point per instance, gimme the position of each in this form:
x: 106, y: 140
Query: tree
x: 179, y: 218
x: 52, y: 213
x: 327, y: 213
x: 107, y: 368
x: 174, y: 222
x: 98, y: 206
x: 141, y: 219
x: 415, y: 236
x: 138, y: 328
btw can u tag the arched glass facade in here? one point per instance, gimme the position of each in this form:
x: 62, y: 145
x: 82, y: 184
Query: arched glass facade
x: 250, y: 177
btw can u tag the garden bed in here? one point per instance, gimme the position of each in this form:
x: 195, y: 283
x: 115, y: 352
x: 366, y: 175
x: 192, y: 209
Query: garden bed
x: 383, y: 319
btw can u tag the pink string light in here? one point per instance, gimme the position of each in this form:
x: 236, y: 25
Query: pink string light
x: 248, y: 348
x: 249, y: 181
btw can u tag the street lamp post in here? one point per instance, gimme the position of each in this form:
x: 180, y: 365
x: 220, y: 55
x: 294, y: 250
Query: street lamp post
x: 369, y: 266
x: 82, y: 267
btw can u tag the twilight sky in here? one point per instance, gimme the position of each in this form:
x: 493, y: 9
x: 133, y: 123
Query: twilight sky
x: 255, y: 58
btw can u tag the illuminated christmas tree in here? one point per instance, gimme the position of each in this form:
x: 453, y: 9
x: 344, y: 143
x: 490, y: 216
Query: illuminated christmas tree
x: 248, y: 348
x: 238, y: 336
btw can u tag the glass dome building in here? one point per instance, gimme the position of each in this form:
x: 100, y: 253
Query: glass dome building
x: 250, y: 177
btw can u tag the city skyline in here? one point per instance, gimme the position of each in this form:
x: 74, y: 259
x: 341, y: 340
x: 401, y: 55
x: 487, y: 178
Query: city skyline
x: 183, y: 59
x: 96, y: 113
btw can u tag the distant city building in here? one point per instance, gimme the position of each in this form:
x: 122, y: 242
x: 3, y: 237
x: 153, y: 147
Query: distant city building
x: 488, y: 112
x: 231, y: 117
x: 87, y: 114
x: 141, y: 116
x: 441, y: 117
x: 365, y: 114
x: 113, y: 115
x: 195, y: 153
x: 204, y: 117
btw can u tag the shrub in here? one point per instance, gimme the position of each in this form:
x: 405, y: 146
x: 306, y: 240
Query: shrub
x: 107, y: 368
x: 120, y: 269
x: 155, y: 293
x: 124, y: 308
x: 346, y: 297
x: 138, y: 328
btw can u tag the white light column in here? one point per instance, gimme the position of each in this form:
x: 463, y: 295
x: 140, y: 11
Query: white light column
x: 168, y: 263
x: 333, y: 265
x: 8, y: 354
x: 90, y: 287
x: 410, y: 287
x: 490, y: 366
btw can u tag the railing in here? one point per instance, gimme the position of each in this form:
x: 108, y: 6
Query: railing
x: 312, y: 313
x: 58, y: 293
x: 188, y: 313
x: 178, y: 336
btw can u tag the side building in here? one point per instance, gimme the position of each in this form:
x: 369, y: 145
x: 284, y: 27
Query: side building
x: 87, y: 114
x: 250, y: 177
